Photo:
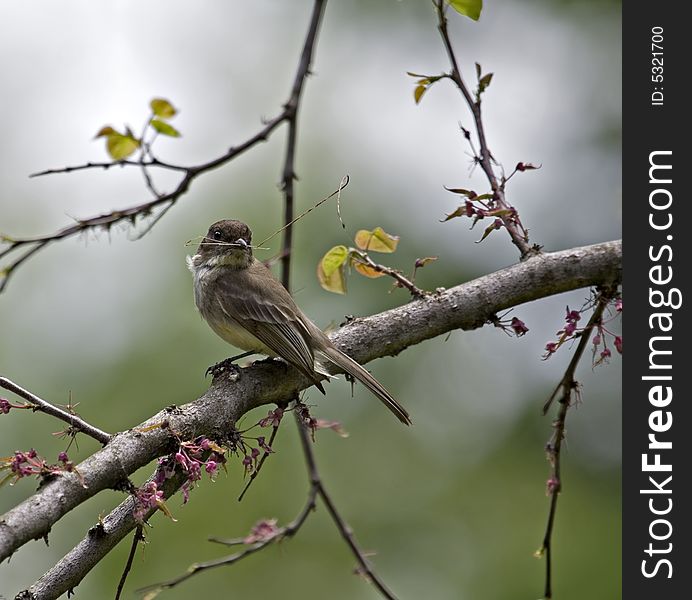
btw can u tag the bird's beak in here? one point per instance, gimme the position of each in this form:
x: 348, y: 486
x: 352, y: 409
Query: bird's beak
x: 241, y: 242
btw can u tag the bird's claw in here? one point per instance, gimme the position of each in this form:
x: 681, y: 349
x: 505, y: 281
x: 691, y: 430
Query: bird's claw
x: 225, y: 366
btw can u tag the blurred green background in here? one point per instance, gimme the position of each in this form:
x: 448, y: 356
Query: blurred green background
x: 455, y: 506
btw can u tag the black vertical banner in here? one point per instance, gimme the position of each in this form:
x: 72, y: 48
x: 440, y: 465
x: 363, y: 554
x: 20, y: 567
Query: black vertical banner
x: 657, y: 418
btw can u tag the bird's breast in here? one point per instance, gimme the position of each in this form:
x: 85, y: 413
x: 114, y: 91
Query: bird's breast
x: 222, y: 322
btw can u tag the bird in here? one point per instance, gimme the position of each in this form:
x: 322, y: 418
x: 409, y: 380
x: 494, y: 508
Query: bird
x: 245, y: 305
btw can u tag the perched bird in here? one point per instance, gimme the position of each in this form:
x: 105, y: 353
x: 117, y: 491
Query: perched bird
x: 247, y: 306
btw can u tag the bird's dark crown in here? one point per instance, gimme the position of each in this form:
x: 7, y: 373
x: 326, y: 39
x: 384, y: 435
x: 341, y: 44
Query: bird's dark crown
x: 225, y: 237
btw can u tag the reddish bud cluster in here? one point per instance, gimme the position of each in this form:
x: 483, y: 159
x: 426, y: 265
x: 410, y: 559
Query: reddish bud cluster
x: 190, y: 459
x: 308, y: 420
x: 26, y: 464
x: 601, y: 351
x: 519, y: 327
x: 262, y: 531
x: 522, y: 166
x: 146, y: 497
x: 516, y: 325
x: 6, y: 406
x: 273, y: 418
x: 552, y: 486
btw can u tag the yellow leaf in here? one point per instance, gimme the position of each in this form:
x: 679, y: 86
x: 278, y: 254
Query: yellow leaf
x: 105, y: 132
x: 336, y: 282
x: 418, y: 92
x: 162, y: 108
x: 366, y: 270
x: 161, y: 505
x: 377, y: 240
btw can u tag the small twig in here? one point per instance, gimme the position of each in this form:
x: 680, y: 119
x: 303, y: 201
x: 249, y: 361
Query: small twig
x: 291, y: 107
x: 154, y: 162
x: 43, y: 406
x: 514, y: 227
x: 281, y: 533
x: 567, y: 386
x: 255, y: 473
x: 138, y: 537
x: 401, y: 280
x: 190, y: 173
x: 154, y: 221
x: 365, y: 568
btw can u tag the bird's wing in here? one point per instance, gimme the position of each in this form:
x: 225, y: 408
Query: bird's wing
x: 276, y: 322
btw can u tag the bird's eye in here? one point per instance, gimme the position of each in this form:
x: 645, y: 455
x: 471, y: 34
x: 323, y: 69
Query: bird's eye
x: 217, y: 234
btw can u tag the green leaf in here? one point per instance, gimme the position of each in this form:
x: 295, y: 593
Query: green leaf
x: 121, y: 146
x: 468, y: 8
x: 488, y: 230
x: 162, y: 108
x: 470, y: 194
x: 330, y: 270
x: 334, y: 259
x: 164, y: 128
x: 418, y: 92
x: 484, y: 82
x: 377, y: 240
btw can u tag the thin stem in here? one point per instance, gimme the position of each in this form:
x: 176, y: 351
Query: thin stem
x: 282, y: 533
x: 401, y: 279
x: 516, y: 231
x: 107, y: 220
x: 568, y: 385
x: 138, y: 537
x: 255, y: 473
x: 43, y: 406
x: 154, y: 162
x: 291, y: 108
x: 365, y: 568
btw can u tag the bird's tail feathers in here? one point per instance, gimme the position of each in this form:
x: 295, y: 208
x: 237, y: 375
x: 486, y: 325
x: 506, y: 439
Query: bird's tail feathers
x: 350, y: 366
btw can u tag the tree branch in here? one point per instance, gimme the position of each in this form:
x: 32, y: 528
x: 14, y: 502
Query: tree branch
x: 291, y: 107
x: 516, y: 231
x: 317, y: 486
x: 38, y: 404
x: 130, y: 214
x: 467, y: 306
x: 568, y: 387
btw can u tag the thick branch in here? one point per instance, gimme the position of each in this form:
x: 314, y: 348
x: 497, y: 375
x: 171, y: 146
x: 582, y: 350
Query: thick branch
x: 466, y: 306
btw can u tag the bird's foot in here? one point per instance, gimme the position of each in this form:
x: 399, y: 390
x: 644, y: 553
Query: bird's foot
x: 226, y: 366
